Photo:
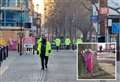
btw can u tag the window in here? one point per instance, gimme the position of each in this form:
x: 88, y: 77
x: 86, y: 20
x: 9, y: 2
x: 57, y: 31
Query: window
x: 12, y: 3
x: 115, y: 20
x: 0, y: 3
x: 0, y: 15
x: 3, y: 2
x: 18, y: 3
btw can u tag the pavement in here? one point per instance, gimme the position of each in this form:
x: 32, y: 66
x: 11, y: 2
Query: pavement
x: 106, y: 61
x: 27, y: 68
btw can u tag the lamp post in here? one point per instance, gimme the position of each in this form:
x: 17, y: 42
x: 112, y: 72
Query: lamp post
x: 37, y: 20
x: 118, y: 45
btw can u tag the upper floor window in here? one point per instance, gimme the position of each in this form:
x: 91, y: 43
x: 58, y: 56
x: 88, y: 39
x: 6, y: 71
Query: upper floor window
x: 3, y: 2
x: 1, y: 15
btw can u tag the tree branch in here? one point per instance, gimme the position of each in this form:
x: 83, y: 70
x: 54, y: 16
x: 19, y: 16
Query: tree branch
x: 89, y: 9
x: 115, y: 9
x: 96, y: 7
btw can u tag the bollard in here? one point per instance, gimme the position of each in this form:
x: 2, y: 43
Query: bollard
x: 7, y: 50
x: 4, y: 54
x: 0, y: 55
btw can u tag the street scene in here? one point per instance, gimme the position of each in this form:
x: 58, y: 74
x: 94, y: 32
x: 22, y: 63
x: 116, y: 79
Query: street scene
x: 97, y: 61
x: 40, y: 40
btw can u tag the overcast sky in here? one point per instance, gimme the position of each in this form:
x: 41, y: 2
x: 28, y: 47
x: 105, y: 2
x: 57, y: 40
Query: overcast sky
x: 115, y: 4
x: 41, y: 6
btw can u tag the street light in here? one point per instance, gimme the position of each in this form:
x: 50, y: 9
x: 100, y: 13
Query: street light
x: 37, y: 22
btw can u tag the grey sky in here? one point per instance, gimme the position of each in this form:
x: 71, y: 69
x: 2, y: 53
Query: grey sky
x: 114, y: 4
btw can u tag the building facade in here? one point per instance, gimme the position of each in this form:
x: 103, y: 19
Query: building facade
x: 13, y: 15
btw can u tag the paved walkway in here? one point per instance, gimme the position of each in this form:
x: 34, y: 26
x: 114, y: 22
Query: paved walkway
x: 26, y: 68
x: 107, y: 61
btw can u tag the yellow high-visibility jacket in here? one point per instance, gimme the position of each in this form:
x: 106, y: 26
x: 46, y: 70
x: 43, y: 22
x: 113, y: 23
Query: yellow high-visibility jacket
x: 79, y: 41
x: 67, y: 41
x: 57, y: 42
x: 48, y: 48
x: 39, y: 40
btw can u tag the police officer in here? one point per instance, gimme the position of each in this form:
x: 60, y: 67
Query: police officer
x: 58, y: 43
x: 39, y: 40
x: 44, y: 49
x: 67, y: 43
x: 79, y: 41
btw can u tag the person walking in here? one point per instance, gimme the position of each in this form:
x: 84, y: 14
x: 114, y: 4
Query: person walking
x: 79, y: 41
x: 44, y: 50
x: 57, y: 43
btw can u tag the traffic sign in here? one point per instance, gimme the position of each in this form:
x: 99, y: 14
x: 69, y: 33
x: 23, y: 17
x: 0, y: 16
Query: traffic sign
x: 29, y: 40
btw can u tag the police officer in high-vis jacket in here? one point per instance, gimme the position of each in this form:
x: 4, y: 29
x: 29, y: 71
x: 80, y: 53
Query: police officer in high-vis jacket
x: 44, y: 50
x: 67, y: 43
x: 57, y: 43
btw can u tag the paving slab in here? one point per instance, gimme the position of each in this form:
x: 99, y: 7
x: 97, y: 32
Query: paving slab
x: 27, y: 68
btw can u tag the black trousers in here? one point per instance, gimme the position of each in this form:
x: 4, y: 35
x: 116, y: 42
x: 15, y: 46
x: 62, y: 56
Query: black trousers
x: 44, y: 61
x: 57, y: 48
x: 67, y: 47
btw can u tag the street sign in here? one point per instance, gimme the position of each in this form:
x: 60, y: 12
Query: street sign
x: 109, y: 22
x: 94, y: 19
x: 116, y: 27
x: 29, y: 40
x: 104, y: 10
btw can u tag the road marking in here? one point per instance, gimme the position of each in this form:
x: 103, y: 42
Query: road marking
x: 5, y: 65
x: 3, y: 69
x: 44, y: 75
x: 41, y: 75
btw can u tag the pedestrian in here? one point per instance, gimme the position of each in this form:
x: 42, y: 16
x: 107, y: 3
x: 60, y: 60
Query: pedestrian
x: 44, y: 50
x: 100, y: 48
x: 79, y: 41
x: 67, y: 43
x: 57, y: 43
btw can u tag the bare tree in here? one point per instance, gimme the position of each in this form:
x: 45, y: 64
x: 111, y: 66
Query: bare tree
x: 70, y: 16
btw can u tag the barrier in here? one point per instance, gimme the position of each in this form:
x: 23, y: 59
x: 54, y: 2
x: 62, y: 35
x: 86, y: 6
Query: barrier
x: 3, y: 53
